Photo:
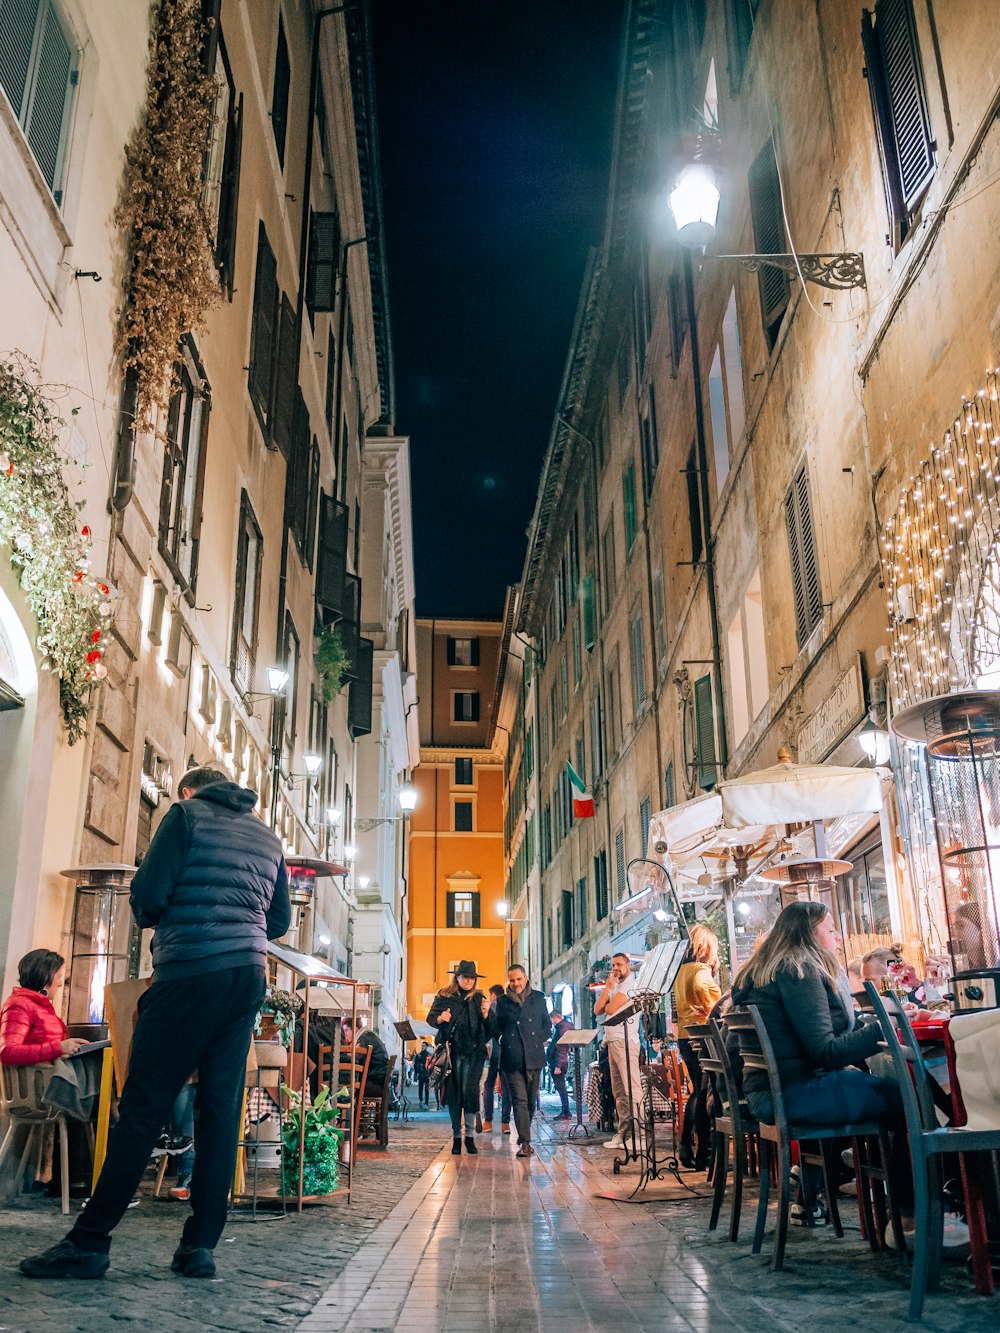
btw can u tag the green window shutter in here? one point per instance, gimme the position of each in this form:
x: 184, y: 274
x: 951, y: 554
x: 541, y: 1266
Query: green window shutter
x: 704, y: 730
x: 669, y: 786
x: 359, y: 695
x: 264, y: 327
x: 628, y: 496
x: 807, y: 594
x: 287, y: 382
x: 46, y: 112
x: 475, y: 911
x: 18, y: 20
x: 324, y: 261
x: 589, y: 613
x: 769, y: 238
x: 331, y: 562
x: 450, y: 917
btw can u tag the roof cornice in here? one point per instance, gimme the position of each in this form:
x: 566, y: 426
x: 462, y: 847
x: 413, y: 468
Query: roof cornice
x: 389, y: 455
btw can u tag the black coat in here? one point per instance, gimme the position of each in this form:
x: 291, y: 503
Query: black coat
x: 467, y: 1032
x: 808, y: 1027
x: 524, y: 1032
x: 213, y: 885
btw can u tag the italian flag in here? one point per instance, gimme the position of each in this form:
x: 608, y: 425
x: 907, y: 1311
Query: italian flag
x: 583, y: 801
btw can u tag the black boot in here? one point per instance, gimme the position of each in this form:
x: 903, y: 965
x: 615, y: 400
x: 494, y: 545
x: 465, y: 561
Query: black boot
x: 456, y: 1147
x: 470, y: 1144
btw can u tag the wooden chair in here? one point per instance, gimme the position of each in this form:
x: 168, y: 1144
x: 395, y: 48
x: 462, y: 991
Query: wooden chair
x: 776, y: 1142
x: 22, y: 1088
x: 352, y: 1070
x: 375, y: 1109
x: 928, y: 1142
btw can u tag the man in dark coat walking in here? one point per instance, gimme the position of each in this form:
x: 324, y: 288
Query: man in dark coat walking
x: 525, y: 1025
x: 213, y: 886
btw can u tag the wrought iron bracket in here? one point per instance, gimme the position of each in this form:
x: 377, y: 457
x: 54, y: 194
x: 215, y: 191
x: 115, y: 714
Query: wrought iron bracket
x: 840, y: 272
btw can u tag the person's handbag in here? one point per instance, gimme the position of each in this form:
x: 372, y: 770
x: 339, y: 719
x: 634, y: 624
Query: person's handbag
x: 442, y: 1066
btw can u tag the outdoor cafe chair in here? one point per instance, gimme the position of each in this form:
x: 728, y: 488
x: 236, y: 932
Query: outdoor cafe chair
x: 22, y: 1097
x: 929, y: 1140
x: 776, y: 1141
x: 732, y: 1124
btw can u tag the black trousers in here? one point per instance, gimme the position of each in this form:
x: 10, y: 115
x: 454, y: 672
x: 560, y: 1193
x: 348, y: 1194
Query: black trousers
x: 423, y: 1083
x: 524, y: 1096
x: 203, y: 1022
x: 696, y: 1121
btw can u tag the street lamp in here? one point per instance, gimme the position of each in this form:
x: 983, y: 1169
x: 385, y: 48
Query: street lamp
x: 407, y: 798
x: 350, y: 851
x: 694, y: 202
x: 503, y: 909
x: 277, y: 683
x: 874, y: 740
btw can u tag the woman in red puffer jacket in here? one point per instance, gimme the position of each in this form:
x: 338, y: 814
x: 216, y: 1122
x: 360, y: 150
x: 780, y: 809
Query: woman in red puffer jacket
x: 31, y: 1032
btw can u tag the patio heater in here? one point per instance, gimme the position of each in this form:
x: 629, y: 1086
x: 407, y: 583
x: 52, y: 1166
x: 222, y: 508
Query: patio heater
x: 808, y: 878
x: 99, y: 942
x: 960, y: 738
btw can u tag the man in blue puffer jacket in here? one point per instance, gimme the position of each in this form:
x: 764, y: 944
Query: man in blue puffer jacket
x: 214, y: 888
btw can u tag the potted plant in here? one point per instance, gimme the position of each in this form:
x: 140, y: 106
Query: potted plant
x: 321, y: 1145
x: 277, y: 1016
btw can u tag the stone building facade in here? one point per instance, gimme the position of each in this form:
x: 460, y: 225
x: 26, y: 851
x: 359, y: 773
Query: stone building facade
x: 731, y: 445
x: 254, y: 527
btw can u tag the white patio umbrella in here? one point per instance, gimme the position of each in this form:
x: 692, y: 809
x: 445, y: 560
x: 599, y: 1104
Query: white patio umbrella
x: 800, y: 794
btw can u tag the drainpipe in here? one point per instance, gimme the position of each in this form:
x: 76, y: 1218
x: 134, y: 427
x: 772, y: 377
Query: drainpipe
x: 701, y: 442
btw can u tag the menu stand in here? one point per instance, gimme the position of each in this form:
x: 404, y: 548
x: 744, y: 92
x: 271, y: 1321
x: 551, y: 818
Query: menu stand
x: 577, y: 1039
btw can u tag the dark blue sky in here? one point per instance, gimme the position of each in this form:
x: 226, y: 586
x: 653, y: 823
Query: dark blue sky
x: 495, y: 129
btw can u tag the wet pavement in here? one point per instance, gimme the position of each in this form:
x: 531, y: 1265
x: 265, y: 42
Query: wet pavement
x: 477, y: 1244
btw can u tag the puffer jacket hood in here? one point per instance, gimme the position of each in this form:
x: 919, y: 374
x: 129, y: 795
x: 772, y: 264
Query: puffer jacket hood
x: 229, y: 794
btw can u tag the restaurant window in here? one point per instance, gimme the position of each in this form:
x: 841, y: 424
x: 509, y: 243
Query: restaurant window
x: 806, y: 593
x: 38, y: 72
x: 463, y: 816
x: 899, y: 105
x: 466, y: 705
x: 863, y: 893
x: 184, y: 469
x: 463, y: 772
x: 769, y: 239
x: 463, y: 652
x: 463, y: 910
x: 249, y: 551
x: 279, y: 94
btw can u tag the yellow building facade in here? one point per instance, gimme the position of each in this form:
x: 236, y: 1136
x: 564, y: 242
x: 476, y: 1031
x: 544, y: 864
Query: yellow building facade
x: 456, y: 832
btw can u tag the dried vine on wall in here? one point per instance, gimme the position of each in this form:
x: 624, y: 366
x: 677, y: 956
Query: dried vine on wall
x: 170, y: 282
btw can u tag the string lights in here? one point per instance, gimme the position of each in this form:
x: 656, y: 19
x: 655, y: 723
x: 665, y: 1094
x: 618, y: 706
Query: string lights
x: 939, y: 559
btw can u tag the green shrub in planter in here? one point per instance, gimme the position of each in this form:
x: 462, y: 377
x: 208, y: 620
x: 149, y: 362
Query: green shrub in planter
x: 322, y: 1145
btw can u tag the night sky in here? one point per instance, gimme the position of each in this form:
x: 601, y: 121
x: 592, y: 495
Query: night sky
x: 495, y: 125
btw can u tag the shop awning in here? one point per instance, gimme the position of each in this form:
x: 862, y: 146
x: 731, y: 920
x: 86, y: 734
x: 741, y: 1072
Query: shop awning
x: 800, y: 793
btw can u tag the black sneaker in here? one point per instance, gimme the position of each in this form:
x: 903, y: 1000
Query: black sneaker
x: 162, y: 1147
x: 190, y: 1261
x: 800, y: 1214
x: 180, y: 1145
x: 65, y: 1260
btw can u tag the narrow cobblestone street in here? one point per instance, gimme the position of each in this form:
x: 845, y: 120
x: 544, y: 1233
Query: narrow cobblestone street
x: 474, y: 1244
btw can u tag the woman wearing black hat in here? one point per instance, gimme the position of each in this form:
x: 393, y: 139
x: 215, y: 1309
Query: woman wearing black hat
x: 461, y: 1014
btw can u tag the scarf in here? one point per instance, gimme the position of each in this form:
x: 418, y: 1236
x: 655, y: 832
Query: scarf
x: 519, y: 999
x: 846, y: 997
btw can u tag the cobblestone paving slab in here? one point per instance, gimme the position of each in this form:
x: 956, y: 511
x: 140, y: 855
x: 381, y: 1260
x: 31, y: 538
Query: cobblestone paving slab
x: 493, y: 1244
x: 271, y: 1273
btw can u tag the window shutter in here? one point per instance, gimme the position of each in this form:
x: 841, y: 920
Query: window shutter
x: 450, y: 917
x: 331, y: 561
x: 18, y: 19
x: 279, y: 96
x: 475, y: 651
x: 638, y: 664
x: 324, y: 262
x: 628, y: 498
x: 899, y: 103
x: 645, y: 818
x: 359, y: 697
x: 669, y: 786
x: 50, y: 94
x: 298, y: 477
x: 620, y: 862
x: 589, y: 613
x: 286, y: 386
x: 451, y: 651
x: 806, y: 590
x: 475, y: 911
x: 225, y: 252
x: 704, y: 727
x: 350, y: 626
x: 769, y: 238
x: 264, y: 326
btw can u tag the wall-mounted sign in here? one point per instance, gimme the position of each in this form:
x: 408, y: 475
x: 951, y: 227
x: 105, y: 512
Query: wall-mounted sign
x: 842, y: 709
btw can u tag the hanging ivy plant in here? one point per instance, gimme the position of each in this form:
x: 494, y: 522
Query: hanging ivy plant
x: 170, y: 282
x: 330, y: 659
x: 46, y: 542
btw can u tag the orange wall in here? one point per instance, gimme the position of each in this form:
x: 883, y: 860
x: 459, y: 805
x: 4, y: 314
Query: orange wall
x: 436, y: 852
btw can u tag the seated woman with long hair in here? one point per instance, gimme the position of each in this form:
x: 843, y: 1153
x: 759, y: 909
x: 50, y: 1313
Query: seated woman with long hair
x: 696, y: 993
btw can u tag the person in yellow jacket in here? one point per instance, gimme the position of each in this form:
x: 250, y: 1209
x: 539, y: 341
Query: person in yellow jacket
x: 696, y: 993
